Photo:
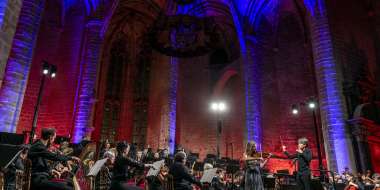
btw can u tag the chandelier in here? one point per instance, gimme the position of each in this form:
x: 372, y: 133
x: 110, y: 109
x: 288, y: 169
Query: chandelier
x: 185, y: 35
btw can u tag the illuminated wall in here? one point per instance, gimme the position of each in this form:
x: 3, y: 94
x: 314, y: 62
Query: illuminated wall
x: 19, y: 63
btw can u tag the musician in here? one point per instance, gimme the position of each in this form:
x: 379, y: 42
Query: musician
x: 253, y: 164
x: 17, y: 164
x: 167, y: 157
x: 105, y: 147
x: 181, y: 176
x: 157, y: 182
x: 103, y: 179
x: 39, y: 155
x: 217, y: 182
x: 303, y: 157
x: 355, y: 184
x: 120, y: 169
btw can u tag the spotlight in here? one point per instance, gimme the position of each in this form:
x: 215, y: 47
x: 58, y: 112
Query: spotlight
x: 312, y: 104
x: 295, y: 110
x: 53, y: 71
x: 222, y: 106
x: 214, y: 106
x: 45, y: 68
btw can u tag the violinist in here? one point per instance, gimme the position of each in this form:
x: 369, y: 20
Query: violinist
x: 218, y: 182
x: 253, y: 162
x: 39, y: 155
x: 181, y: 175
x: 120, y: 169
x: 303, y: 157
x: 157, y: 182
x: 355, y: 184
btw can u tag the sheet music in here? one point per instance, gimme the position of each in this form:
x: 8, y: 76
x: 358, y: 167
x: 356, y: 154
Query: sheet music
x: 156, y: 168
x: 157, y: 165
x: 208, y: 175
x: 96, y: 168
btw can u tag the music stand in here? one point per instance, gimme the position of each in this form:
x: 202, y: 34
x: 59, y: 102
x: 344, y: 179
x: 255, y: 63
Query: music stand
x: 10, y: 154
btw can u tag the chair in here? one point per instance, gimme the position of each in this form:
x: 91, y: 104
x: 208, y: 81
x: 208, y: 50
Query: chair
x: 27, y: 174
x: 19, y: 179
x: 1, y: 181
x: 169, y: 182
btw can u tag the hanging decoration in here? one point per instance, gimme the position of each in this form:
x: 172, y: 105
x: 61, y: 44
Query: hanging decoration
x: 185, y: 35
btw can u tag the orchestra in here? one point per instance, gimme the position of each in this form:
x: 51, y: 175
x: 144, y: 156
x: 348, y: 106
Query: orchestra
x: 128, y: 168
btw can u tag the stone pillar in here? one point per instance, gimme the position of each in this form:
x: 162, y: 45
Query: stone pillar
x: 172, y: 102
x: 251, y: 76
x: 88, y: 72
x: 253, y: 97
x: 337, y: 140
x: 19, y: 63
x: 9, y: 13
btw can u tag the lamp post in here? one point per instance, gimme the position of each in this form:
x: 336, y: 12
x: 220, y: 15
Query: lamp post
x: 47, y: 70
x: 218, y: 107
x: 312, y: 105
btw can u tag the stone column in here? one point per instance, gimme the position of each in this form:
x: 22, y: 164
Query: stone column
x: 253, y: 97
x: 88, y: 72
x: 250, y: 72
x: 172, y: 102
x: 9, y: 13
x: 19, y: 64
x: 338, y: 144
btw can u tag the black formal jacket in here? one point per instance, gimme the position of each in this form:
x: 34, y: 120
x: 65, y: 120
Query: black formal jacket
x: 120, y: 168
x: 181, y: 176
x: 39, y: 155
x: 303, y: 160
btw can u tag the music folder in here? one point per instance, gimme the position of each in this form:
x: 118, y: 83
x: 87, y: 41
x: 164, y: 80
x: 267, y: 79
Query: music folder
x: 156, y: 168
x: 96, y: 168
x: 208, y: 175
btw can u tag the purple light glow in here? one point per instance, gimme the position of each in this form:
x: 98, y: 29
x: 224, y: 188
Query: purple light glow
x: 3, y: 8
x: 87, y: 80
x: 91, y: 5
x: 173, y: 80
x: 331, y: 100
x: 19, y: 63
x: 256, y: 9
x: 252, y: 88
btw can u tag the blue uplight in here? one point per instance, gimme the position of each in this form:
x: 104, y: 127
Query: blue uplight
x: 90, y: 5
x: 173, y: 102
x: 331, y: 100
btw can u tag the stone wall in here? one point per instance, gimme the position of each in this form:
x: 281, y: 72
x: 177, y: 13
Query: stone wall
x: 59, y: 44
x: 9, y: 13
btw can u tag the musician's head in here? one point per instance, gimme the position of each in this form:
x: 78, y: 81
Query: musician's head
x: 251, y: 148
x: 110, y: 155
x: 165, y: 153
x: 302, y: 143
x: 122, y: 149
x: 156, y: 155
x: 107, y: 145
x: 220, y: 173
x: 48, y: 135
x: 180, y: 157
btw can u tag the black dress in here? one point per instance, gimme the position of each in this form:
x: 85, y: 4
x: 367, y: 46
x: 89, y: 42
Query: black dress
x: 120, y: 173
x: 253, y: 179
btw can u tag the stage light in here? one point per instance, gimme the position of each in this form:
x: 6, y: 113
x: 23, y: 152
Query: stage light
x: 312, y: 105
x: 222, y: 106
x: 214, y: 106
x: 218, y: 107
x: 45, y: 68
x: 295, y: 110
x: 53, y: 71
